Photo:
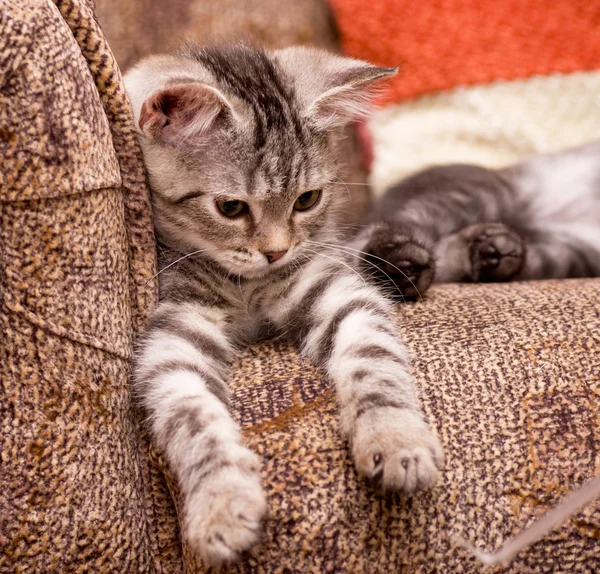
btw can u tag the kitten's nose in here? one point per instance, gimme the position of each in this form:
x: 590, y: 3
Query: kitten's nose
x: 275, y: 256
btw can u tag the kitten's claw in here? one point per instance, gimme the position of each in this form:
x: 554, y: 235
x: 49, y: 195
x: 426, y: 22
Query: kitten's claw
x: 398, y: 261
x: 223, y: 519
x: 396, y: 450
x: 496, y: 253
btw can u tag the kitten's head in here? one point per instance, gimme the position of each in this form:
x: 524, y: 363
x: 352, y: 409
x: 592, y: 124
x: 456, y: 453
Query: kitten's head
x: 241, y: 148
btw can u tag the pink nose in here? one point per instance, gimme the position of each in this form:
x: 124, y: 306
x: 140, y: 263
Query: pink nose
x: 275, y: 256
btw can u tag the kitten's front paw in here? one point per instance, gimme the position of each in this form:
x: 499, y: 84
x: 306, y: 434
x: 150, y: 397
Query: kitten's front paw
x: 400, y: 262
x: 496, y: 252
x: 223, y: 518
x: 396, y: 449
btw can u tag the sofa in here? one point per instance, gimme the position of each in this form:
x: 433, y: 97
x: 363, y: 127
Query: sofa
x: 508, y: 374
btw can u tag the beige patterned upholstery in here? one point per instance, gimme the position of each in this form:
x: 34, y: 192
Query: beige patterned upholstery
x: 509, y: 374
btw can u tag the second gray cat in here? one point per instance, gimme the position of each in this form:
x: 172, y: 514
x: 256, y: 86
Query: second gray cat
x: 537, y: 220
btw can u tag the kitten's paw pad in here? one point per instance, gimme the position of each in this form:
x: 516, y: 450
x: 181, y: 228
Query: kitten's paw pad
x: 496, y: 252
x: 396, y: 449
x: 223, y: 519
x: 398, y: 261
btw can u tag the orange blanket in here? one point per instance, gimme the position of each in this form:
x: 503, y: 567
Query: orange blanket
x: 442, y: 44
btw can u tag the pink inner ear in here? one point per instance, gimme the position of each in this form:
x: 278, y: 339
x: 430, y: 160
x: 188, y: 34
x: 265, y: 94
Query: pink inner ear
x: 351, y: 95
x: 179, y: 113
x: 152, y: 119
x: 344, y: 104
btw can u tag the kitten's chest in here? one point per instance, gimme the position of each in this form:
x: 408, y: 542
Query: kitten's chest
x: 250, y: 329
x: 253, y: 311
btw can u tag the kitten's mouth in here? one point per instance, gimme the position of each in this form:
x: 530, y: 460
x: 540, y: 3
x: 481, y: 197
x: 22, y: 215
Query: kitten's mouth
x: 262, y: 267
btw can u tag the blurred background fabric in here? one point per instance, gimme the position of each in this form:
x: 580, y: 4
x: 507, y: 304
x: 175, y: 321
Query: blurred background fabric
x: 483, y: 82
x: 442, y: 44
x: 138, y: 28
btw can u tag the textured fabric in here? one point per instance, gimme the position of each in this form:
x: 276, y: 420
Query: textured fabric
x: 137, y: 28
x: 441, y: 44
x: 76, y: 258
x: 482, y: 82
x: 493, y: 125
x: 509, y: 374
x: 510, y: 379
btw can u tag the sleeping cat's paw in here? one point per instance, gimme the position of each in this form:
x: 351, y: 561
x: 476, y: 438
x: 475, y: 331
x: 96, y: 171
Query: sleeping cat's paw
x: 398, y: 261
x: 223, y: 518
x: 396, y: 449
x: 496, y: 253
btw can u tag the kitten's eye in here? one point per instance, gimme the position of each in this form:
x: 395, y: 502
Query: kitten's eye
x: 232, y: 208
x: 307, y: 200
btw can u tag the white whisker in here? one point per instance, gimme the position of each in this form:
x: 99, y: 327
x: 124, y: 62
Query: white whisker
x: 347, y: 190
x: 338, y: 261
x: 355, y: 183
x: 574, y: 502
x: 351, y: 249
x: 346, y: 250
x: 176, y: 261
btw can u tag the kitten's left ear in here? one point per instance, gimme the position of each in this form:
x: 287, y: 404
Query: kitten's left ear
x: 334, y: 90
x: 175, y: 102
x: 182, y: 112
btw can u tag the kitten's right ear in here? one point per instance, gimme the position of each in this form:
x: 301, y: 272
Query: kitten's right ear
x: 182, y: 113
x: 333, y: 90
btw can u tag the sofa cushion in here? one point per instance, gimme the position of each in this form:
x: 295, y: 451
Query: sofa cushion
x: 509, y: 376
x: 77, y: 258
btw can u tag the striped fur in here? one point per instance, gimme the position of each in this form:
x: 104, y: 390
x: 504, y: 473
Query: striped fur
x: 536, y: 220
x: 218, y: 289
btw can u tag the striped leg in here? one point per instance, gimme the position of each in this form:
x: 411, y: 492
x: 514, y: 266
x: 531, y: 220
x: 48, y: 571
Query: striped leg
x: 180, y: 379
x: 347, y: 326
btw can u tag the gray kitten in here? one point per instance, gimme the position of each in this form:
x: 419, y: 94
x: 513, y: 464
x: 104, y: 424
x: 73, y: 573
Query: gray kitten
x: 240, y: 147
x: 536, y: 220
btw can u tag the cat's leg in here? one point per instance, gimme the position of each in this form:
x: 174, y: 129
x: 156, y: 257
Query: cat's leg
x: 495, y: 252
x: 347, y: 326
x: 180, y: 378
x: 399, y: 257
x: 428, y: 209
x: 482, y: 252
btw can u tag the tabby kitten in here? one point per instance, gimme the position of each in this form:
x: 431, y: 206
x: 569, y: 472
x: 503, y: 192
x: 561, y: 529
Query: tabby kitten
x: 240, y: 148
x: 536, y: 220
